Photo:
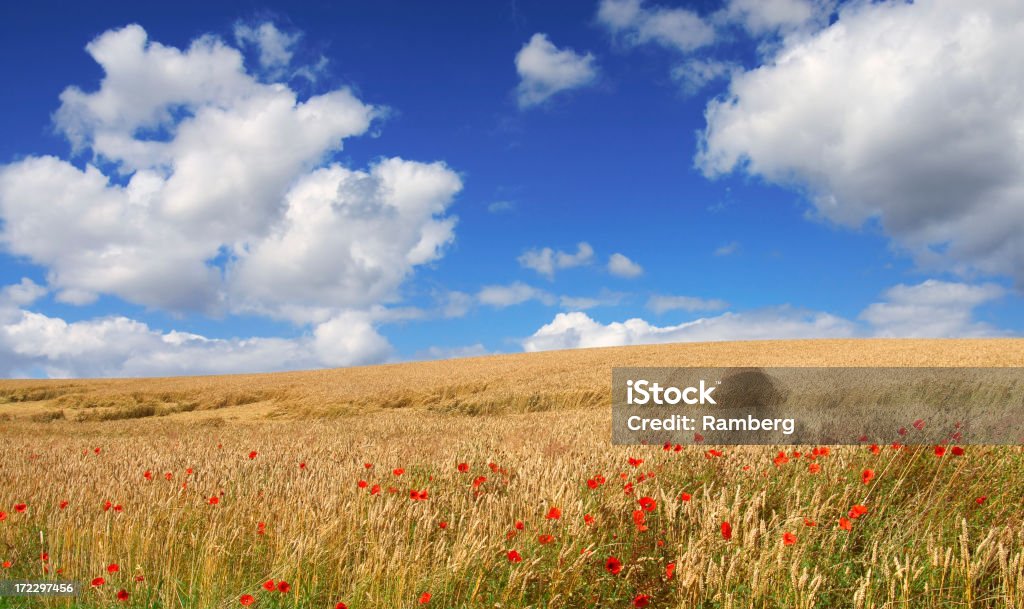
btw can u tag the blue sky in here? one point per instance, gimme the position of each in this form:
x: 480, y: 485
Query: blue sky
x: 760, y: 172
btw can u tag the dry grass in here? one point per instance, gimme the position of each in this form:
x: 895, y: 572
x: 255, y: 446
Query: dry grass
x: 543, y: 421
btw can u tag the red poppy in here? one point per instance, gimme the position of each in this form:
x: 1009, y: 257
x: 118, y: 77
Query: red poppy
x: 788, y: 539
x: 189, y: 471
x: 443, y: 524
x: 867, y: 476
x: 647, y: 504
x: 726, y: 531
x: 781, y: 459
x: 592, y: 484
x: 519, y: 525
x: 118, y: 508
x: 246, y: 600
x: 45, y: 556
x: 261, y: 528
x: 845, y: 524
x: 168, y: 476
x: 685, y: 496
x: 253, y: 454
x: 424, y: 598
x: 588, y: 519
x: 639, y: 519
x: 958, y: 451
x: 362, y: 484
x: 97, y: 582
x: 857, y: 511
x: 670, y: 570
x: 214, y: 500
x: 919, y: 424
x: 113, y: 567
x: 269, y: 585
x: 139, y: 578
x: 493, y: 466
x: 814, y: 468
x: 463, y: 467
x: 479, y: 480
x: 545, y: 539
x: 514, y: 556
x: 398, y: 471
x: 375, y: 489
x: 148, y: 475
x: 613, y: 565
x: 810, y: 523
x: 980, y: 500
x: 554, y: 514
x: 940, y: 450
x: 302, y: 465
x: 3, y: 516
x: 20, y: 508
x: 641, y: 600
x: 341, y: 605
x: 122, y: 595
x: 283, y: 587
x: 875, y: 449
x: 96, y: 450
x: 418, y: 495
x: 7, y: 564
x: 635, y: 462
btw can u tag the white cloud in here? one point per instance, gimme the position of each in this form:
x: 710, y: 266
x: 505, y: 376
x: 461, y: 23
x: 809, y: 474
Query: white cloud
x: 674, y: 28
x: 911, y: 114
x: 347, y: 239
x: 578, y: 330
x: 275, y: 47
x: 763, y: 16
x: 544, y: 70
x: 117, y: 346
x: 208, y: 191
x: 934, y: 309
x: 501, y: 296
x: 695, y: 74
x: 546, y: 260
x: 499, y: 207
x: 621, y: 266
x: 662, y: 304
x: 21, y: 294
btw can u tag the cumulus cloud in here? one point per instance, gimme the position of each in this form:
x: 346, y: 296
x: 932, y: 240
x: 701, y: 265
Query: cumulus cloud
x: 275, y: 47
x: 546, y: 260
x: 501, y: 296
x: 763, y: 16
x: 621, y: 266
x: 910, y: 115
x: 208, y: 192
x: 932, y: 309
x: 32, y: 343
x: 662, y: 304
x: 578, y: 330
x: 675, y: 28
x: 695, y: 74
x: 21, y: 294
x: 544, y: 70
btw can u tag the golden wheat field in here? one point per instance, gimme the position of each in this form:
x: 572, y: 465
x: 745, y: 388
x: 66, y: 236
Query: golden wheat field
x: 489, y: 482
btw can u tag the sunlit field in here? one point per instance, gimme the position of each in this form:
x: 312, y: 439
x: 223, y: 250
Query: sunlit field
x: 489, y: 482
